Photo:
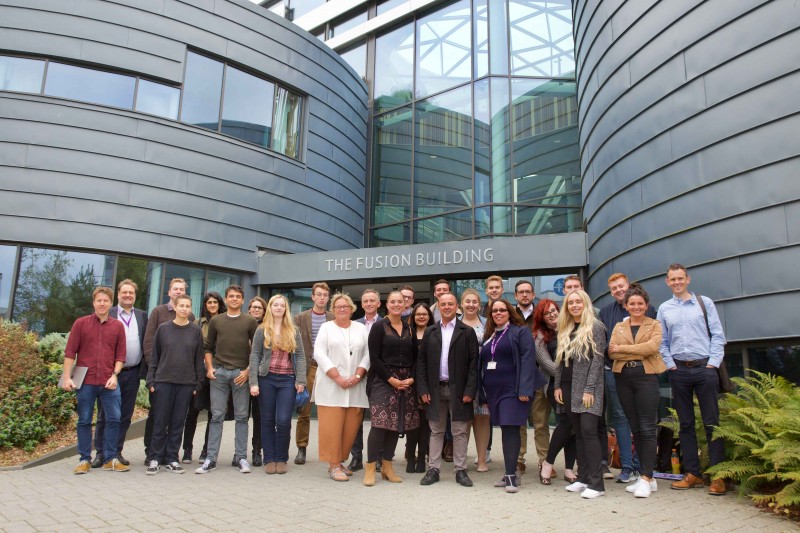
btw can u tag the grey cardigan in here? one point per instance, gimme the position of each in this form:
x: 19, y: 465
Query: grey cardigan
x: 588, y: 375
x: 545, y: 360
x: 260, y: 357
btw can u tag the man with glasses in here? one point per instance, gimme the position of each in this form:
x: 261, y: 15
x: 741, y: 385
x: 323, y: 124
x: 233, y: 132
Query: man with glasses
x: 408, y: 299
x: 539, y: 414
x: 309, y: 323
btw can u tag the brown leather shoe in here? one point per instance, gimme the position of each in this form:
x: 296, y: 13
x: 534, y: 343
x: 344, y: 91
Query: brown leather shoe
x: 689, y: 481
x: 718, y: 487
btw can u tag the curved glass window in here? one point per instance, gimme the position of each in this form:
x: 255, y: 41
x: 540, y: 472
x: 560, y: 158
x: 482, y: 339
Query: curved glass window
x: 394, y: 71
x: 247, y: 107
x: 202, y: 88
x: 541, y: 38
x: 89, y: 85
x: 158, y: 99
x: 8, y: 260
x: 451, y: 227
x: 443, y: 153
x: 444, y: 49
x: 392, y: 235
x: 357, y: 58
x: 392, y: 144
x: 288, y: 121
x: 20, y: 74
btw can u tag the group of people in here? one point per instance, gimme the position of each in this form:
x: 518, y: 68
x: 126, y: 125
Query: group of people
x: 429, y: 373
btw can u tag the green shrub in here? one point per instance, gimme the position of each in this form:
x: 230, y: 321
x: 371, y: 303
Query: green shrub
x: 34, y: 408
x: 672, y: 423
x: 143, y: 396
x: 19, y: 356
x: 762, y: 430
x: 52, y: 347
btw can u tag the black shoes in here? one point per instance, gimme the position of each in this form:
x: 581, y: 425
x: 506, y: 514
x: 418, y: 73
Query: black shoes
x: 431, y: 477
x: 378, y: 466
x: 356, y: 464
x: 187, y: 456
x: 421, y: 464
x: 300, y: 458
x: 98, y: 461
x: 462, y: 478
x: 411, y: 467
x: 257, y: 461
x: 122, y: 460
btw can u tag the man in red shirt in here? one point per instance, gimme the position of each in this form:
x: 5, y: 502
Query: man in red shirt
x: 97, y: 343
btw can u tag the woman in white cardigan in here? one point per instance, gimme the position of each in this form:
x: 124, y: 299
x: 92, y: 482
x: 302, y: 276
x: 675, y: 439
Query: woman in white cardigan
x: 340, y: 390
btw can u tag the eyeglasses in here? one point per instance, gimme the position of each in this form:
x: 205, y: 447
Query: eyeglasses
x: 343, y: 308
x: 525, y: 292
x: 257, y: 307
x: 421, y: 315
x: 551, y: 313
x: 499, y: 311
x: 408, y: 297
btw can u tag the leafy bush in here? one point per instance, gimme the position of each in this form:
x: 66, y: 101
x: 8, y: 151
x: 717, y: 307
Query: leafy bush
x: 33, y: 408
x: 762, y: 428
x: 52, y: 347
x: 143, y: 396
x: 19, y: 356
x: 672, y: 423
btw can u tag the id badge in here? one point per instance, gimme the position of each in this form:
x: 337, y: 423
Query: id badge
x: 491, y: 365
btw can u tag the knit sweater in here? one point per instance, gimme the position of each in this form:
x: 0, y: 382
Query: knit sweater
x: 177, y: 356
x: 228, y: 340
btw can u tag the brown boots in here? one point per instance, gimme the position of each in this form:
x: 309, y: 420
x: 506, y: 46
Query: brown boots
x: 369, y: 474
x: 387, y: 472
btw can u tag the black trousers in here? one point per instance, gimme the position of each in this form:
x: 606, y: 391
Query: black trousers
x: 639, y: 396
x: 381, y: 444
x: 686, y: 382
x: 562, y: 437
x: 589, y: 457
x: 169, y: 416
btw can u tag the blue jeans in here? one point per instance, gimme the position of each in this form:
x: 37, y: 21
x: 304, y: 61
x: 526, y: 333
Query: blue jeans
x: 221, y: 388
x: 620, y: 423
x: 276, y: 394
x: 110, y: 401
x: 128, y: 385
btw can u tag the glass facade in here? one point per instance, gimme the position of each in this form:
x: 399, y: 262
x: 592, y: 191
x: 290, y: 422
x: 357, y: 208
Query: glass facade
x: 54, y: 287
x: 22, y: 75
x: 475, y: 128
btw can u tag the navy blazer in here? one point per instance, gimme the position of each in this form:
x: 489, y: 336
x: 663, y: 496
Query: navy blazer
x: 528, y: 376
x: 141, y: 323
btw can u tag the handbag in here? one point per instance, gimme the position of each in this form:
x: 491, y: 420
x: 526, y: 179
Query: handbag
x: 725, y: 383
x: 614, y: 460
x: 301, y: 399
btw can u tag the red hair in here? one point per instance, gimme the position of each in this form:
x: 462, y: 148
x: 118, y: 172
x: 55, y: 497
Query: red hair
x: 539, y: 325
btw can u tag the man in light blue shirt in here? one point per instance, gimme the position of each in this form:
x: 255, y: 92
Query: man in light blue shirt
x: 693, y: 350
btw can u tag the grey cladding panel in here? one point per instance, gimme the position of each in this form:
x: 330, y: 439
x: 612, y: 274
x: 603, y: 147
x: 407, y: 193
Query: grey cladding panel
x: 771, y: 271
x: 763, y: 317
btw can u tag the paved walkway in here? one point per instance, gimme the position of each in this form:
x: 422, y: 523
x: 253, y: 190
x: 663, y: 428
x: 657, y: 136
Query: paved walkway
x: 51, y: 498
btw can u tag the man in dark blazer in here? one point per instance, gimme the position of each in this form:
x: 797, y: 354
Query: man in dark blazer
x: 135, y: 321
x: 309, y: 322
x: 447, y: 382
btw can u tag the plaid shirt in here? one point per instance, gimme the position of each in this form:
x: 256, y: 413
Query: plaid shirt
x: 281, y: 362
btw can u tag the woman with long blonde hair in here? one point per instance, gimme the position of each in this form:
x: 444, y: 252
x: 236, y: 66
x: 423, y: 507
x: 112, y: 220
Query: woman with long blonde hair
x: 277, y: 372
x: 579, y: 385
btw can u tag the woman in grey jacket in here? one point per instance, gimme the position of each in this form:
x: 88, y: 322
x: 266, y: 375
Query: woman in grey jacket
x: 579, y: 385
x: 277, y: 372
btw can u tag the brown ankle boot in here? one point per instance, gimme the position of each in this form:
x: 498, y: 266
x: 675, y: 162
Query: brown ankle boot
x: 387, y: 472
x: 369, y: 474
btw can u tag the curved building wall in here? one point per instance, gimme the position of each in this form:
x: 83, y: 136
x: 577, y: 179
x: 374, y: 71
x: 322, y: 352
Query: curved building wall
x: 80, y: 175
x: 688, y: 126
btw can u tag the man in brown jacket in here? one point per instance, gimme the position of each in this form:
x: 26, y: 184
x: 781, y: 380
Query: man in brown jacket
x: 309, y: 322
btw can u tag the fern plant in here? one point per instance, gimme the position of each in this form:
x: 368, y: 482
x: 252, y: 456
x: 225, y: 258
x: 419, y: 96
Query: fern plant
x: 761, y: 427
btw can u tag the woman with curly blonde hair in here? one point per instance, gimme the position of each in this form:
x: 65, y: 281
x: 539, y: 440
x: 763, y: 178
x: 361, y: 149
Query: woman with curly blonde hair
x: 277, y: 372
x: 579, y: 385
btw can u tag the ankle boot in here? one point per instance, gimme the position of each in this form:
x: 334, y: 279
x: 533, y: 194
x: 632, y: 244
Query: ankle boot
x: 369, y: 474
x: 387, y: 472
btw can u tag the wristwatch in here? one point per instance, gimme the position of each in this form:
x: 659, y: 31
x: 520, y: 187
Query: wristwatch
x: 358, y: 376
x: 115, y: 373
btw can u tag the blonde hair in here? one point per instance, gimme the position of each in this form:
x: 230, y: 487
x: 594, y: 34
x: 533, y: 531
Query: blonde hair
x: 468, y: 292
x: 346, y: 297
x: 286, y: 340
x: 582, y: 344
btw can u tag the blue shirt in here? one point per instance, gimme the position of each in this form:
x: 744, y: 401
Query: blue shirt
x: 685, y: 334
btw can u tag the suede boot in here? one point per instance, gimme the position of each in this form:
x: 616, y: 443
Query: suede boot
x: 369, y: 474
x: 387, y: 472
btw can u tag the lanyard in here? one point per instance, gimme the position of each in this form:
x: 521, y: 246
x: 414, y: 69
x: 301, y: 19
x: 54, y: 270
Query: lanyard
x: 122, y: 318
x: 495, y: 340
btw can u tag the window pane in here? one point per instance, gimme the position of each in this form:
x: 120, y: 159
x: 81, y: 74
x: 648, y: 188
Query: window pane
x: 55, y: 287
x: 219, y: 281
x: 450, y: 227
x: 288, y: 121
x: 501, y: 146
x: 444, y: 49
x: 299, y: 299
x: 394, y: 71
x: 357, y: 58
x: 8, y: 260
x: 392, y: 235
x: 545, y: 220
x: 541, y: 38
x: 301, y: 7
x: 136, y: 271
x: 498, y: 38
x: 155, y: 274
x: 353, y: 20
x: 779, y: 360
x: 247, y: 107
x: 480, y: 32
x: 19, y: 74
x: 158, y: 99
x: 87, y: 85
x: 202, y: 88
x: 194, y: 277
x: 443, y: 157
x: 388, y: 5
x: 392, y: 167
x: 483, y: 142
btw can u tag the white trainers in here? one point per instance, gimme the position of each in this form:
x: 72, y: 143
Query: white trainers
x: 152, y: 468
x: 175, y: 468
x: 632, y: 488
x: 207, y: 466
x: 591, y: 494
x: 244, y: 466
x: 577, y: 487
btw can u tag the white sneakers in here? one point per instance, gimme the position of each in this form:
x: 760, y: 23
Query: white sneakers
x: 577, y: 487
x: 591, y: 494
x: 642, y: 488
